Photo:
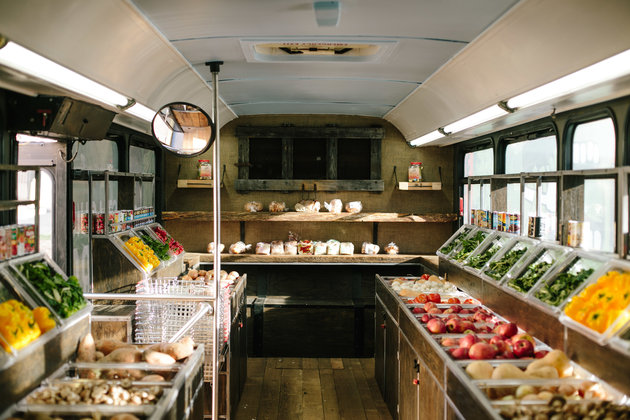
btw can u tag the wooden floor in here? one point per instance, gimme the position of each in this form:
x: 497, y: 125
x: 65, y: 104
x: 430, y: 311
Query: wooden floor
x: 302, y: 388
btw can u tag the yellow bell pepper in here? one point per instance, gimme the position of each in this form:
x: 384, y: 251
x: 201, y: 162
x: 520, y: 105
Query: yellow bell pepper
x: 44, y: 319
x: 17, y: 325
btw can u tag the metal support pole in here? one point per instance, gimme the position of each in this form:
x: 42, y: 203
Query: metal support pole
x: 216, y: 211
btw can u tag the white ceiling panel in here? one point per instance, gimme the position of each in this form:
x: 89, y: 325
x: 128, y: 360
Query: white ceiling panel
x: 275, y: 108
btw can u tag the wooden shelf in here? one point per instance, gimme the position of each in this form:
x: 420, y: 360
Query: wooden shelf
x: 428, y: 260
x: 312, y: 217
x: 195, y: 183
x: 420, y: 186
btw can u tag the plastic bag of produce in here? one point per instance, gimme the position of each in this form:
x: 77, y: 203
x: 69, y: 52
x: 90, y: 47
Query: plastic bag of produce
x: 239, y: 248
x: 263, y: 248
x: 391, y: 248
x: 309, y: 206
x: 277, y: 248
x: 346, y: 248
x: 211, y: 248
x: 277, y: 206
x: 253, y: 206
x: 369, y: 248
x: 320, y: 248
x: 335, y: 206
x: 290, y: 248
x: 305, y: 247
x: 354, y: 207
x: 332, y: 247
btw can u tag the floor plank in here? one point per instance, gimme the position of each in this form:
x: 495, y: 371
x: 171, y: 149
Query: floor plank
x: 311, y: 389
x: 289, y: 363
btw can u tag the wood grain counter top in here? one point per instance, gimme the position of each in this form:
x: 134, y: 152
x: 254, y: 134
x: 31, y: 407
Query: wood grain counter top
x: 294, y: 216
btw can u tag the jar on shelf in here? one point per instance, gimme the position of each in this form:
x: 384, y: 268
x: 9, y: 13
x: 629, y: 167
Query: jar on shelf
x: 415, y: 172
x: 205, y: 169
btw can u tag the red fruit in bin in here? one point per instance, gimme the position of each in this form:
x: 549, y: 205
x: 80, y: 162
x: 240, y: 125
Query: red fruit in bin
x: 523, y: 348
x: 468, y: 340
x: 435, y: 297
x: 426, y: 317
x: 469, y: 301
x: 425, y: 276
x: 539, y: 354
x: 453, y: 300
x: 417, y: 310
x: 460, y: 353
x: 435, y: 310
x: 429, y: 305
x: 507, y: 330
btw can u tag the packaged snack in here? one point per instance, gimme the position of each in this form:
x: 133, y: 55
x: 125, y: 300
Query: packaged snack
x: 354, y: 207
x: 211, y: 248
x: 320, y: 248
x: 346, y: 248
x: 277, y: 206
x: 239, y: 248
x: 391, y: 248
x: 335, y: 206
x: 369, y: 248
x: 290, y: 248
x: 305, y: 247
x: 263, y: 248
x: 253, y: 206
x: 277, y: 248
x: 309, y: 206
x: 332, y: 247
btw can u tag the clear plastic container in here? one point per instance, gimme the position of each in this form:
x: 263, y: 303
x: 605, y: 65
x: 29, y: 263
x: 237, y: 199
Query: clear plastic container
x: 558, y: 284
x: 485, y: 251
x: 469, y: 244
x: 522, y: 278
x: 511, y: 255
x: 614, y: 308
x: 445, y: 250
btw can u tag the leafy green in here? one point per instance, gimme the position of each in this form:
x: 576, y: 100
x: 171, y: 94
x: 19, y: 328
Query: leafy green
x: 480, y: 260
x: 554, y: 293
x: 160, y: 249
x: 469, y: 245
x: 64, y: 296
x: 534, y: 271
x: 448, y: 248
x: 497, y: 269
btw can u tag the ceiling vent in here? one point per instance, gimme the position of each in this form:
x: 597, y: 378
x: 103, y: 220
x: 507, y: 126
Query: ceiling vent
x: 316, y: 50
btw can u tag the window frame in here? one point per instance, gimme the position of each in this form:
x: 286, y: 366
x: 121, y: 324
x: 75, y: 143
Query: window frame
x: 569, y: 133
x: 526, y: 133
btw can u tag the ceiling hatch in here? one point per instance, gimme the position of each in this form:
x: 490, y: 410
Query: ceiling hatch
x: 316, y: 50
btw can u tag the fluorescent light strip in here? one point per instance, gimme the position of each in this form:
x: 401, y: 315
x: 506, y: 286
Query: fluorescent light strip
x: 19, y: 58
x: 141, y: 111
x: 434, y: 135
x: 608, y: 69
x: 475, y: 119
x: 25, y: 138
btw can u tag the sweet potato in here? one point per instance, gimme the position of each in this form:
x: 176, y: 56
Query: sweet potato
x: 123, y: 355
x: 181, y: 349
x: 157, y: 358
x: 107, y: 346
x: 87, y: 349
x: 153, y: 378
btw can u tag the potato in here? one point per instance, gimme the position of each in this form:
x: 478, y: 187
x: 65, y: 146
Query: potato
x: 106, y: 345
x: 547, y: 372
x: 153, y: 378
x: 98, y: 355
x: 202, y: 273
x: 123, y: 355
x: 87, y: 349
x: 124, y: 416
x: 157, y: 358
x: 193, y: 274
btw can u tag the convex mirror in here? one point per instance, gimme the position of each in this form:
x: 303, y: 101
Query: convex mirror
x: 183, y: 129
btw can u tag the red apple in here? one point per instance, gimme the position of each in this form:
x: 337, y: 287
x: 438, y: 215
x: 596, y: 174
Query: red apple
x: 484, y: 329
x: 465, y: 311
x: 454, y: 325
x: 429, y: 305
x: 539, y: 354
x: 451, y: 316
x: 417, y: 310
x: 508, y: 354
x: 468, y: 325
x: 448, y: 342
x: 482, y: 351
x: 498, y: 342
x: 448, y: 311
x: 456, y: 308
x: 468, y: 340
x: 523, y: 348
x: 436, y: 326
x: 479, y: 316
x: 523, y: 336
x: 460, y: 353
x: 426, y: 317
x: 507, y: 330
x: 434, y: 311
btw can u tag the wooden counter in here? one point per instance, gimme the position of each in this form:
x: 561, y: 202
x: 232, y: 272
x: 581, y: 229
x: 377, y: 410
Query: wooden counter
x: 294, y: 216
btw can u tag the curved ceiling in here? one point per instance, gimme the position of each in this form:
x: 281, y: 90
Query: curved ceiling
x: 436, y: 61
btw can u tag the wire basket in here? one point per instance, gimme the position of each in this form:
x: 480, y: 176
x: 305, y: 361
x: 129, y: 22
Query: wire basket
x: 159, y: 320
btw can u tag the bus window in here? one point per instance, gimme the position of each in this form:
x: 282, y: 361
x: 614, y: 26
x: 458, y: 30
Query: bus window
x: 26, y: 214
x: 142, y: 160
x: 477, y: 199
x: 598, y: 231
x: 594, y: 145
x: 546, y: 205
x: 537, y: 155
x: 480, y: 162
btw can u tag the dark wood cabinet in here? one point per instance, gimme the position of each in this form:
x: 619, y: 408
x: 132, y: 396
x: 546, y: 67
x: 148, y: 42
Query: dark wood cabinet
x: 409, y: 388
x: 431, y: 402
x: 386, y: 357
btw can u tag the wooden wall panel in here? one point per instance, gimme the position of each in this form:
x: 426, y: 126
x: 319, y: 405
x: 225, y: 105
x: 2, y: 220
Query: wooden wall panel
x: 356, y: 233
x: 414, y: 238
x: 195, y: 235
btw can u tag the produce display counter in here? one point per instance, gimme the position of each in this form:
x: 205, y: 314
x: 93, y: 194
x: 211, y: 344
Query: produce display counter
x: 422, y: 374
